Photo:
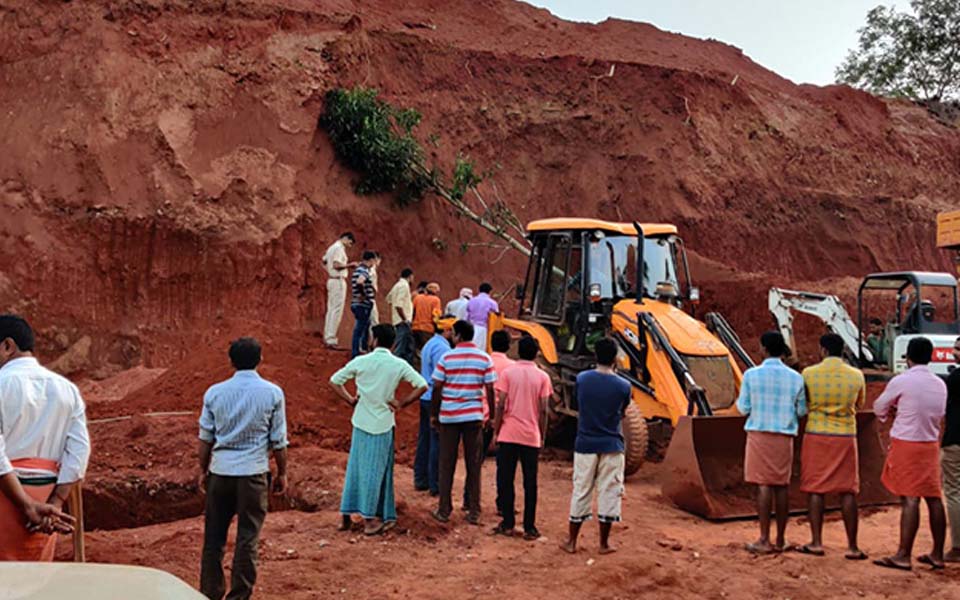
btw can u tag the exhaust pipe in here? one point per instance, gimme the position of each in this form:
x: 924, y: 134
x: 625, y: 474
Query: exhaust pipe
x: 641, y: 291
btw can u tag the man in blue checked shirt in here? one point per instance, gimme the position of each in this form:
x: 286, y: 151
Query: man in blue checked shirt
x: 242, y: 422
x: 773, y: 398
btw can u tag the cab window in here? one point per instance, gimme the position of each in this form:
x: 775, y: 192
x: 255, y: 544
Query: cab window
x: 553, y: 275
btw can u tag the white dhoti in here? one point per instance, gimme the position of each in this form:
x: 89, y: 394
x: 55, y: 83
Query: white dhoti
x: 480, y: 337
x: 336, y: 296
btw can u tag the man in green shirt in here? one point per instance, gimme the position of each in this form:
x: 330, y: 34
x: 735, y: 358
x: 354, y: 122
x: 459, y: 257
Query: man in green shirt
x: 368, y: 487
x: 876, y: 342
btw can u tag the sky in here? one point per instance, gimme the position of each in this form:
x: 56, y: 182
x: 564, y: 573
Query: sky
x: 802, y: 40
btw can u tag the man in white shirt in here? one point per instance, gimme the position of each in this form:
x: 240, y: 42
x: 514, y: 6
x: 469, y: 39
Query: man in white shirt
x: 401, y: 313
x: 336, y: 262
x: 458, y: 307
x: 43, y: 422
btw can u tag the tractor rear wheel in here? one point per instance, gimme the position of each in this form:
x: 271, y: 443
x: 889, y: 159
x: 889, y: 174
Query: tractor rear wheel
x: 636, y: 437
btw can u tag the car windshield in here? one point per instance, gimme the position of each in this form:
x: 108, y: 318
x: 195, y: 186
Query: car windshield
x: 613, y: 265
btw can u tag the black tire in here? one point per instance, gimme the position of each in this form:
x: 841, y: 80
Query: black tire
x: 636, y: 437
x: 561, y: 431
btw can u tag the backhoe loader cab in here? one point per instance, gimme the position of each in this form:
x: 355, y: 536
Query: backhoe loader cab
x: 916, y: 304
x: 581, y: 268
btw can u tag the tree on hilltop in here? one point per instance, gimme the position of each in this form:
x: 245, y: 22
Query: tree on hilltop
x: 913, y: 54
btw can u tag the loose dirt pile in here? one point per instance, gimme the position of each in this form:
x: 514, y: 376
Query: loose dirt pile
x: 165, y: 188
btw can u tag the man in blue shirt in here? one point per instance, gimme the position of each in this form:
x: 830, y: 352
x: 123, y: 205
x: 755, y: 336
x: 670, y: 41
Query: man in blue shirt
x: 242, y: 420
x: 427, y: 460
x: 598, y: 462
x: 773, y: 398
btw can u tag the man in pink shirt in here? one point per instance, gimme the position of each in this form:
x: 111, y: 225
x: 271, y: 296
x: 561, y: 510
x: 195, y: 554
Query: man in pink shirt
x: 478, y: 312
x: 912, y: 469
x: 520, y: 427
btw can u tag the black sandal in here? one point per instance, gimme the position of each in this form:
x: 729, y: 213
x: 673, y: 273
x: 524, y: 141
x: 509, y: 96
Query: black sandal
x: 888, y: 563
x: 928, y: 560
x: 806, y: 549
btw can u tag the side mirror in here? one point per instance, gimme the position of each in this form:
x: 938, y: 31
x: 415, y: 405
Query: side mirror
x: 694, y: 295
x: 520, y: 292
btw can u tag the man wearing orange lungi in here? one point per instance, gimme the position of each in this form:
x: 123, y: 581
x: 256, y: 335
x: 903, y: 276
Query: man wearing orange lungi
x: 773, y: 398
x: 38, y: 516
x: 43, y: 422
x: 828, y: 459
x: 912, y: 469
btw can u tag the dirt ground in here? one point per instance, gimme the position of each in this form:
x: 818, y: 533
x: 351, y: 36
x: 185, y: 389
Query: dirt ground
x: 663, y: 553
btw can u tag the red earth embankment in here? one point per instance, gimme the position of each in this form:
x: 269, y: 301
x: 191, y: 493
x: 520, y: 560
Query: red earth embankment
x: 164, y: 171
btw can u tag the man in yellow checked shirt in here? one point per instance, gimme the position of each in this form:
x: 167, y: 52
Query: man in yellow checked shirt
x: 828, y: 460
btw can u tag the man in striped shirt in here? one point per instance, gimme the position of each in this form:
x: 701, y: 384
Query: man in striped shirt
x: 463, y: 381
x: 361, y: 302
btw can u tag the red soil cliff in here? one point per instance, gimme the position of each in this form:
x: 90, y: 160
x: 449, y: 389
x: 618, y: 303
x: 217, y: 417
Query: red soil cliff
x: 163, y: 171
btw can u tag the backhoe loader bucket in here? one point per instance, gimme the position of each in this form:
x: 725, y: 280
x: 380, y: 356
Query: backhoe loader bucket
x: 703, y: 469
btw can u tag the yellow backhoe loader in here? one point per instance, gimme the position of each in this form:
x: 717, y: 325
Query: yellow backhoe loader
x: 588, y: 278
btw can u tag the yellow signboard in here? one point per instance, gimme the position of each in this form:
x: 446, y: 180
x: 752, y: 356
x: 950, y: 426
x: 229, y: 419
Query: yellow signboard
x: 948, y: 230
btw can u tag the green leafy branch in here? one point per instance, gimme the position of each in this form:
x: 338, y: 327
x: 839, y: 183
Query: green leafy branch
x: 376, y: 140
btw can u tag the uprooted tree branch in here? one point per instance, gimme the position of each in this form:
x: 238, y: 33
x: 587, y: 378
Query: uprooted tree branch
x: 376, y: 140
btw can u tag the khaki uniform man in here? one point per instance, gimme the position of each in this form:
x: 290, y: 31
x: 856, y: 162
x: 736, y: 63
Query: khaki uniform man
x: 336, y: 262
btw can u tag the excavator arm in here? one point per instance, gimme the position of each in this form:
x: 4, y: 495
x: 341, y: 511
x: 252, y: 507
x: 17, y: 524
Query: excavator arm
x: 696, y: 398
x: 829, y: 309
x: 719, y: 326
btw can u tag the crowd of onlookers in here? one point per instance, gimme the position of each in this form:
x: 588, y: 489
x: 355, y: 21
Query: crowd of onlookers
x: 470, y: 396
x: 413, y: 310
